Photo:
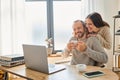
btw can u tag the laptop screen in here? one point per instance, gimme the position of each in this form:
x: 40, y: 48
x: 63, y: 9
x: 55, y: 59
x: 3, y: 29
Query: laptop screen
x: 36, y: 57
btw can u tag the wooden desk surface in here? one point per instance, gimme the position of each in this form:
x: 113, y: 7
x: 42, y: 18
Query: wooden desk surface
x: 70, y: 73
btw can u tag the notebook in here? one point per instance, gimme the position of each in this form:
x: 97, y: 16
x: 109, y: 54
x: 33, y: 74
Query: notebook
x: 36, y: 58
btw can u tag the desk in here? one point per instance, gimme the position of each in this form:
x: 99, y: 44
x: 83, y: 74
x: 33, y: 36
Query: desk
x: 70, y: 73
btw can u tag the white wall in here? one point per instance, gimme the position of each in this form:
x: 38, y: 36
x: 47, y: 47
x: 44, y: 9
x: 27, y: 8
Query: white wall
x: 119, y: 5
x: 99, y: 6
x: 108, y: 9
x: 111, y: 9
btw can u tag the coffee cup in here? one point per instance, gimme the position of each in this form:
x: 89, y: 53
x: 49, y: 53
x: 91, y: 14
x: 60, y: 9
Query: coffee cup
x: 81, y: 67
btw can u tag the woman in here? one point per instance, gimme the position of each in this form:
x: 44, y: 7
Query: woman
x: 99, y: 28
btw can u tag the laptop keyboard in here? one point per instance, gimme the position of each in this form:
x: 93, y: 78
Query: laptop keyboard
x: 51, y: 65
x: 55, y: 68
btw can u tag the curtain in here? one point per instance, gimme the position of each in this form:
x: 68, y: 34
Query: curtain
x: 87, y: 7
x: 5, y: 27
x: 11, y: 26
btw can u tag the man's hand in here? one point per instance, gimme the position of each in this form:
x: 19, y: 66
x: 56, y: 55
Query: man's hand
x: 71, y: 46
x: 81, y: 46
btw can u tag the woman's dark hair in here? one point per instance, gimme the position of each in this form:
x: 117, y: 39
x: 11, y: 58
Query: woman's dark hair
x: 97, y: 20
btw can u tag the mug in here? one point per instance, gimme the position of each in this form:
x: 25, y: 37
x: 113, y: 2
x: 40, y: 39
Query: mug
x: 81, y: 67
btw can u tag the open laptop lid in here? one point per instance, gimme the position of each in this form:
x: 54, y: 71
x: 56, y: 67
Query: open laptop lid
x: 36, y: 57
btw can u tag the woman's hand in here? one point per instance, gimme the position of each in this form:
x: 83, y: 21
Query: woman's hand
x: 81, y: 46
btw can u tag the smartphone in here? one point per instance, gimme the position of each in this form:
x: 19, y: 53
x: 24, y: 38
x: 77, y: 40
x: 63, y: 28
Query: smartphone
x: 93, y: 74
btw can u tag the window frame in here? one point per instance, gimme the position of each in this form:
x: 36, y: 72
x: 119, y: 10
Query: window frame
x: 50, y: 21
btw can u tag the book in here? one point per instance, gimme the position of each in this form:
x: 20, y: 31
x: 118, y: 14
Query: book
x: 11, y: 63
x: 12, y: 57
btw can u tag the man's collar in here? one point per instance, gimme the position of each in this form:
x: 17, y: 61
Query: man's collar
x: 84, y: 38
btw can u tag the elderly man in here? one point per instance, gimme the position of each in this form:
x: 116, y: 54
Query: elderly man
x: 85, y: 50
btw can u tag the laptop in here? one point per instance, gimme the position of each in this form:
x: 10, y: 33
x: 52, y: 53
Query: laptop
x: 36, y: 58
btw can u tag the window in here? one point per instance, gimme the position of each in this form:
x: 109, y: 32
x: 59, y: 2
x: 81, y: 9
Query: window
x: 36, y: 22
x: 65, y: 12
x: 58, y: 27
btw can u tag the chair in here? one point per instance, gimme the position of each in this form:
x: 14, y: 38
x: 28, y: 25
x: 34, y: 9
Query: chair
x: 1, y: 74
